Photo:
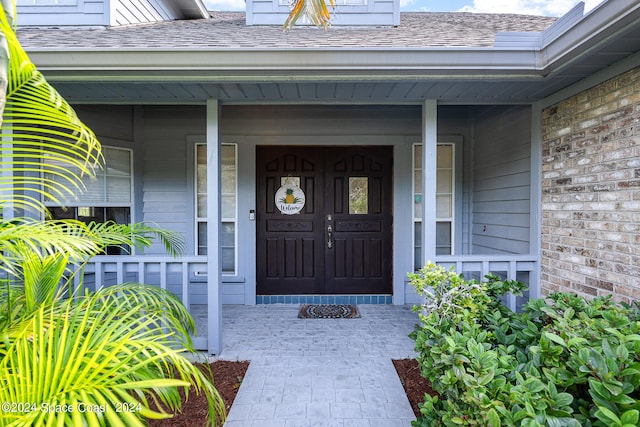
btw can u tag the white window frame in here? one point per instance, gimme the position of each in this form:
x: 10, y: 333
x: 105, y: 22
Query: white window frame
x: 337, y: 2
x: 81, y: 204
x: 103, y: 172
x: 46, y: 3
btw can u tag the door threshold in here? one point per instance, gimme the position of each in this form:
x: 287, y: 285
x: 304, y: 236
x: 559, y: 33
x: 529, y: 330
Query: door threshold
x: 325, y: 299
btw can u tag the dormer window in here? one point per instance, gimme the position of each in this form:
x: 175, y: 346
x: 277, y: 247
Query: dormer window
x: 351, y: 2
x: 346, y: 13
x: 337, y: 2
x: 46, y: 2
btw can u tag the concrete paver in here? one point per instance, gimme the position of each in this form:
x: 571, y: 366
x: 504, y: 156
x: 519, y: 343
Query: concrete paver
x: 318, y: 372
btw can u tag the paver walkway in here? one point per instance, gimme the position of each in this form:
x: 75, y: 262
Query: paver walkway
x: 318, y: 372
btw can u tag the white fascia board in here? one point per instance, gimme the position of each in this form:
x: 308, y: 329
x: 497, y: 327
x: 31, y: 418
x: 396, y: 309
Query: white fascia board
x: 595, y: 28
x: 289, y: 64
x: 191, y: 9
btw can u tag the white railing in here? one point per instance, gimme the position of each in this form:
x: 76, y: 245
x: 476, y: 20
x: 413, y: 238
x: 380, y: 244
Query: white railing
x: 178, y: 275
x: 185, y: 276
x: 510, y: 267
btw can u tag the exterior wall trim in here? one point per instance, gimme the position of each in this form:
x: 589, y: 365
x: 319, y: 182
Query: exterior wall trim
x: 429, y: 176
x: 214, y: 257
x: 535, y: 237
x: 608, y: 73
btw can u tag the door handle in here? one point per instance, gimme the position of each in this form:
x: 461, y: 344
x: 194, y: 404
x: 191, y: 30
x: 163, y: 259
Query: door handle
x: 329, y: 237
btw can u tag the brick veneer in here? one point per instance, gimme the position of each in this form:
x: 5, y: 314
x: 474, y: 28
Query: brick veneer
x: 591, y: 191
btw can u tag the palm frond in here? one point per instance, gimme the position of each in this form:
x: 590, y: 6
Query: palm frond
x: 138, y: 234
x: 42, y: 277
x: 98, y: 351
x: 315, y: 11
x: 23, y: 236
x: 148, y: 299
x: 40, y: 133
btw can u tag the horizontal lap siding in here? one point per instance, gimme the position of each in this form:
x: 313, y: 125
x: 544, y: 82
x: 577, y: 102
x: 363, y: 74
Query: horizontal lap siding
x: 91, y: 13
x: 97, y: 12
x: 272, y: 121
x: 167, y: 197
x: 501, y: 181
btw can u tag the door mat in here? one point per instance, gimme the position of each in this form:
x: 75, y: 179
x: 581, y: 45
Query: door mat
x: 328, y: 311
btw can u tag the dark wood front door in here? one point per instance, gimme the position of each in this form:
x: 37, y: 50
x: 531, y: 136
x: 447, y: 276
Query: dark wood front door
x: 341, y: 240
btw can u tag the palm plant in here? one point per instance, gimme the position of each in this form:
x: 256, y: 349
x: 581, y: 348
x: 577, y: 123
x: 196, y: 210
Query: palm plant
x: 68, y: 356
x: 315, y: 11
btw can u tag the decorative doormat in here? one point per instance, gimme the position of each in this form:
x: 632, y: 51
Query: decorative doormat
x: 328, y: 311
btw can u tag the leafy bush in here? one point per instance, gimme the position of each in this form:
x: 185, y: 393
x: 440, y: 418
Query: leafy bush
x: 564, y: 361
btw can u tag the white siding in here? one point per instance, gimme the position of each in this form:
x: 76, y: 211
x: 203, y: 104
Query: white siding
x: 98, y: 13
x: 140, y: 11
x: 84, y: 12
x: 501, y: 180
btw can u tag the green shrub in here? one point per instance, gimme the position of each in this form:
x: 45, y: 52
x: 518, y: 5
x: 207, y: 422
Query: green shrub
x: 564, y: 361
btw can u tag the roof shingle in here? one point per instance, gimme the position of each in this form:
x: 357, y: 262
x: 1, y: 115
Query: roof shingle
x: 227, y: 30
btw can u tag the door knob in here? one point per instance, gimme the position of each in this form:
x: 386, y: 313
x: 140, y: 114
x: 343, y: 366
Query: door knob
x: 329, y: 237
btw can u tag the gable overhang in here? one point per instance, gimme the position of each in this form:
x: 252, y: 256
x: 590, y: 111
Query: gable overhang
x: 191, y: 9
x: 607, y: 35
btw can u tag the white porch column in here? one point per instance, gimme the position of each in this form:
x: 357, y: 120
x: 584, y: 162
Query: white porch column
x: 214, y: 257
x: 429, y: 164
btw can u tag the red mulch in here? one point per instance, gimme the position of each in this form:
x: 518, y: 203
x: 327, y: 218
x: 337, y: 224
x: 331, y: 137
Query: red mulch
x: 415, y: 385
x: 228, y: 377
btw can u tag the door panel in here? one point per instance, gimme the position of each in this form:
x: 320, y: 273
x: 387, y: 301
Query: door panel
x: 341, y: 241
x: 360, y: 204
x: 288, y: 246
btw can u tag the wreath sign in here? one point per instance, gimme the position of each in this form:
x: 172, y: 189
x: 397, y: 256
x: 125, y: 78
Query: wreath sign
x: 290, y: 199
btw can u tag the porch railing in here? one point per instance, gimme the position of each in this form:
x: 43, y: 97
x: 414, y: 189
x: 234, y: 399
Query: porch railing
x: 186, y: 276
x: 509, y: 267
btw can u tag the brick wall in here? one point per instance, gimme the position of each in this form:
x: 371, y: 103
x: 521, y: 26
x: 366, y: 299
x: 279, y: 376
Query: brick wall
x: 591, y: 191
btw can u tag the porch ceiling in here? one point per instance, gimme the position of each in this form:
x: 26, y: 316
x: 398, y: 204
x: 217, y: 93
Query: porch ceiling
x: 411, y: 91
x: 343, y: 74
x: 329, y: 86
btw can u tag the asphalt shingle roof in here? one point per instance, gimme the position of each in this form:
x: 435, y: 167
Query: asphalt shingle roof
x: 227, y: 30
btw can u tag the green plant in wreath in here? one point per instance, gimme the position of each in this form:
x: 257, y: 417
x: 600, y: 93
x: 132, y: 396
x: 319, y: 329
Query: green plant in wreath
x: 289, y: 197
x: 564, y: 361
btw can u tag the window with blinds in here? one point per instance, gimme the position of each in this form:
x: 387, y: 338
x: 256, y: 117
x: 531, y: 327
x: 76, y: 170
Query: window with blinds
x: 107, y: 197
x: 111, y: 185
